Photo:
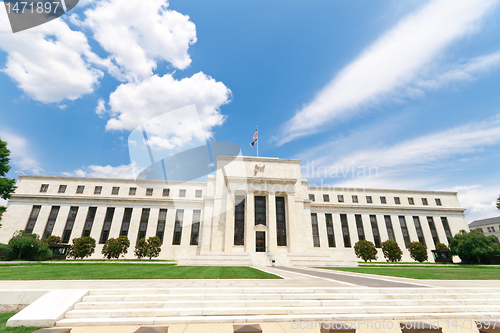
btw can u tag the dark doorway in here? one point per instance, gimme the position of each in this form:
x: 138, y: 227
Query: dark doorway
x: 260, y: 241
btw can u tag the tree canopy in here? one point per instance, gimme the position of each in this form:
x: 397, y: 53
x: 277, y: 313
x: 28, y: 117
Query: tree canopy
x: 6, y: 184
x: 474, y: 247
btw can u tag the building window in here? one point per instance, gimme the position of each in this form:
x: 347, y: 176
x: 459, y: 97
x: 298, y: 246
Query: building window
x: 315, y: 231
x: 89, y: 221
x: 383, y: 200
x: 198, y: 193
x: 179, y: 216
x: 162, y: 220
x: 182, y: 193
x: 376, y: 233
x: 132, y: 190
x: 447, y: 230
x: 340, y: 198
x: 404, y: 229
x: 418, y: 227
x: 390, y: 230
x: 51, y: 221
x: 149, y: 192
x: 239, y: 220
x: 143, y: 225
x: 110, y: 212
x: 195, y: 227
x: 492, y: 229
x: 62, y: 189
x: 98, y: 190
x: 280, y: 221
x: 359, y: 226
x: 369, y: 199
x: 438, y: 202
x: 489, y: 229
x: 115, y: 191
x: 355, y: 199
x: 424, y: 201
x: 260, y: 210
x: 345, y: 230
x: 70, y: 222
x: 32, y: 219
x: 311, y: 197
x: 326, y: 198
x: 411, y: 201
x: 329, y: 230
x: 127, y: 216
x: 44, y: 188
x: 79, y: 189
x: 166, y: 192
x: 397, y: 201
x: 432, y: 226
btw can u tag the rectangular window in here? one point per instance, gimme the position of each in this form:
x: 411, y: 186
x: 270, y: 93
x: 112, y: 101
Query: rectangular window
x: 115, y: 191
x: 326, y: 198
x: 359, y: 226
x: 489, y: 229
x: 182, y: 193
x: 376, y: 233
x: 397, y: 201
x: 418, y: 227
x: 98, y: 190
x: 340, y: 198
x: 432, y: 226
x: 390, y: 230
x: 132, y: 190
x: 195, y: 227
x: 438, y: 202
x: 411, y: 201
x: 166, y: 192
x: 32, y: 219
x: 355, y: 199
x: 404, y: 229
x: 311, y: 197
x: 345, y: 230
x: 329, y: 230
x: 149, y: 192
x: 51, y: 221
x: 79, y: 189
x: 315, y: 231
x: 198, y: 193
x: 143, y: 225
x: 369, y: 199
x: 110, y: 212
x: 447, y: 229
x: 260, y: 210
x: 127, y: 216
x: 492, y: 229
x: 89, y: 221
x: 70, y: 222
x: 44, y: 188
x: 280, y: 221
x: 383, y: 200
x: 160, y: 228
x: 239, y: 220
x: 179, y: 216
x: 62, y: 189
x: 424, y: 201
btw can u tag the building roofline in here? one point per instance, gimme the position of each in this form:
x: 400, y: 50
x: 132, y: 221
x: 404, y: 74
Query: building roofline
x: 362, y: 190
x: 126, y: 180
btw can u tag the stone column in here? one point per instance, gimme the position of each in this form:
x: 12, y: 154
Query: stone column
x: 61, y: 221
x: 292, y: 232
x: 272, y: 241
x: 42, y: 219
x: 250, y: 222
x: 206, y: 226
x: 229, y: 225
x: 116, y: 225
x: 152, y: 222
x: 323, y: 233
x: 187, y: 221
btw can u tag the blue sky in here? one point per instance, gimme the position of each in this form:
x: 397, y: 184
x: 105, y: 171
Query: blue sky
x: 409, y: 89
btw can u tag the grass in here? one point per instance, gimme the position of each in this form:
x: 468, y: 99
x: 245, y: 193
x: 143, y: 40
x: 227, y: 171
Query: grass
x: 430, y: 273
x: 92, y: 271
x: 3, y: 329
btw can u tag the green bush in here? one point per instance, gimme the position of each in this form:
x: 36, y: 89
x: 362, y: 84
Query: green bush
x: 52, y: 240
x: 82, y: 247
x: 115, y: 247
x: 418, y: 251
x: 29, y: 246
x: 391, y: 251
x: 441, y: 246
x: 150, y: 248
x: 365, y: 250
x: 474, y: 247
x: 6, y: 252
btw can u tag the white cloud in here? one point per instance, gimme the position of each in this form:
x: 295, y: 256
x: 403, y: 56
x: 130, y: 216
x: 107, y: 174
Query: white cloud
x: 98, y: 171
x: 479, y: 200
x: 100, y: 109
x: 390, y: 63
x: 139, y: 33
x: 20, y: 154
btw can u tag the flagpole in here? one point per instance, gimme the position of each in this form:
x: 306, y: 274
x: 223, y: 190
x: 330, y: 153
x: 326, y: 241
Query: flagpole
x: 257, y: 141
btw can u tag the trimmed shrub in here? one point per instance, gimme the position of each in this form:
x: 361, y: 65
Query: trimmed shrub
x: 418, y: 251
x: 82, y: 247
x: 52, y: 240
x: 474, y: 247
x: 441, y: 246
x: 365, y: 250
x: 6, y: 252
x: 29, y: 246
x: 391, y: 251
x: 115, y: 247
x: 150, y: 248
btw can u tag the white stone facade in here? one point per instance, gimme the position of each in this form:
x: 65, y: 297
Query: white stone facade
x: 292, y: 216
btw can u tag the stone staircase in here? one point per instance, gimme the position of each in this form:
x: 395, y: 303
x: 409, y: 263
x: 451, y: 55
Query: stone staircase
x: 236, y: 304
x: 317, y: 260
x: 218, y: 259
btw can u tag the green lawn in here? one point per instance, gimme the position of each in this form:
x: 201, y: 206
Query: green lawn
x: 89, y: 271
x: 3, y: 320
x: 433, y: 273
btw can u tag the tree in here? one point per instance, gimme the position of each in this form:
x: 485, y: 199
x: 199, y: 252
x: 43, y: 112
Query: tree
x: 418, y: 251
x: 6, y: 184
x: 474, y: 247
x: 441, y: 246
x: 52, y: 240
x: 365, y: 250
x: 115, y: 247
x: 391, y: 251
x: 498, y: 202
x: 29, y: 246
x: 82, y: 247
x: 150, y: 248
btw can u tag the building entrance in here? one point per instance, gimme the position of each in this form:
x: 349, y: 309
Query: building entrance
x: 260, y: 241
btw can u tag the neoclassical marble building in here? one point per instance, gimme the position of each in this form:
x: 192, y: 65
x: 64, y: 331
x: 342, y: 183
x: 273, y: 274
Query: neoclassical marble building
x: 252, y: 211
